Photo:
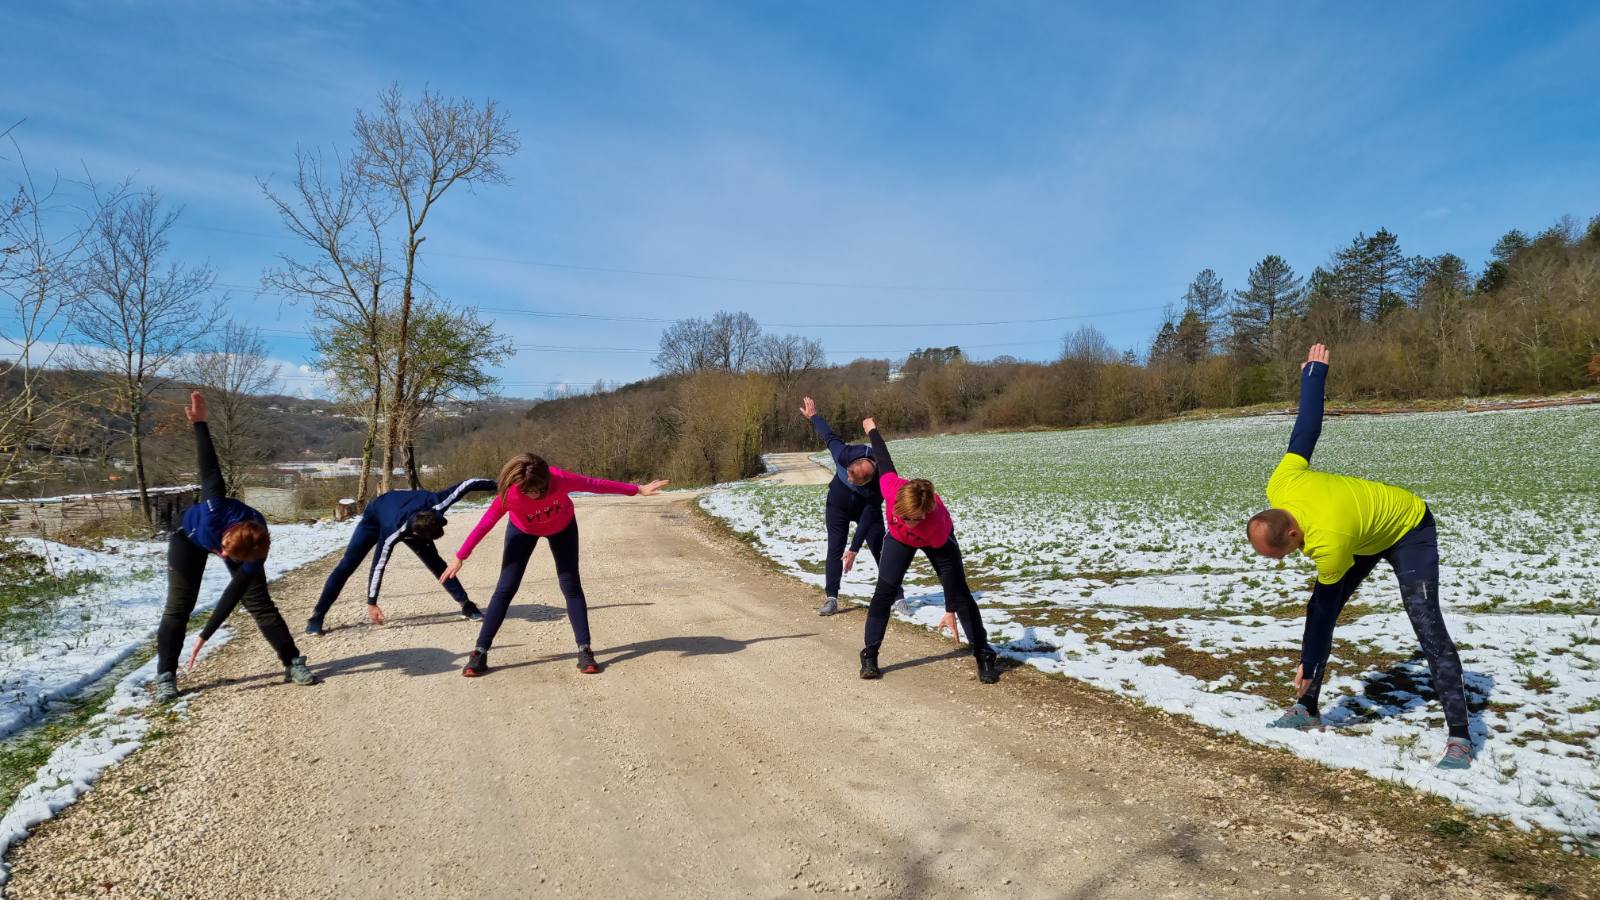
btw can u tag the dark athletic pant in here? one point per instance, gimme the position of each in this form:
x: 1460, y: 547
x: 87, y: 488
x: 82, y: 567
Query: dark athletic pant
x: 186, y: 563
x: 892, y: 565
x: 362, y: 541
x: 514, y: 562
x: 1415, y: 560
x: 844, y: 509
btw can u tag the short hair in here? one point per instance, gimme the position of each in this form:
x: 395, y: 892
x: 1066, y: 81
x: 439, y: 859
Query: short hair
x: 527, y: 471
x: 428, y: 524
x: 1276, y: 524
x: 247, y: 541
x: 857, y: 463
x: 915, y: 498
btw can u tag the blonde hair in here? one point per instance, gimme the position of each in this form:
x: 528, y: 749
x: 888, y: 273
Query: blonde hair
x: 915, y: 499
x: 247, y: 542
x: 527, y: 471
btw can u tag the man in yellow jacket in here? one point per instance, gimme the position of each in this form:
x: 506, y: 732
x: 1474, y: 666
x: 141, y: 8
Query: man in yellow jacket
x: 1345, y: 525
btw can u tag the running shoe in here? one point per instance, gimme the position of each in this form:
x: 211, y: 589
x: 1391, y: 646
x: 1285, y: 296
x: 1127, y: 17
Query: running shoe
x: 477, y: 664
x: 869, y: 663
x: 829, y: 607
x: 166, y: 687
x: 298, y: 672
x: 586, y: 662
x: 1457, y: 754
x: 314, y: 625
x: 988, y: 665
x: 471, y: 612
x: 1296, y: 717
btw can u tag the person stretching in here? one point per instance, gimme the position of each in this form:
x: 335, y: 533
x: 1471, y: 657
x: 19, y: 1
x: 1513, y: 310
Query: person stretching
x: 227, y: 527
x: 917, y: 519
x: 537, y: 497
x: 1345, y: 525
x: 413, y: 518
x: 853, y: 497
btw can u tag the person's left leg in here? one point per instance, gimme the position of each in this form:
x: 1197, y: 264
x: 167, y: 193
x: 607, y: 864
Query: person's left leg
x: 564, y: 548
x: 1415, y: 559
x: 429, y: 554
x: 952, y: 574
x: 257, y: 601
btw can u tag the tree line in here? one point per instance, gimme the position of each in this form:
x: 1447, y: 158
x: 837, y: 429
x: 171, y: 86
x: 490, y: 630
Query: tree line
x: 1409, y: 328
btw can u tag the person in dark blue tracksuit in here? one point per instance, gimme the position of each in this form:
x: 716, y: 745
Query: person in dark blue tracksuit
x: 234, y: 531
x: 413, y: 518
x: 853, y: 497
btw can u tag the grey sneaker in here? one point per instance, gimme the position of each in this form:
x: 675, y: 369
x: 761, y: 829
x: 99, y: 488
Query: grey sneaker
x: 1296, y: 717
x: 829, y: 607
x: 166, y: 687
x: 1457, y: 754
x: 298, y: 672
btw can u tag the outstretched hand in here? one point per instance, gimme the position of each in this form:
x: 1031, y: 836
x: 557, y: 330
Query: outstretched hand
x: 949, y: 621
x: 196, y: 410
x: 869, y: 425
x: 808, y: 407
x: 450, y: 570
x: 194, y: 655
x: 653, y: 488
x: 1318, y: 354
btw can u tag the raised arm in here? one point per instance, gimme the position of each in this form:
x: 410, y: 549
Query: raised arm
x: 880, y: 450
x: 212, y: 487
x: 448, y: 496
x: 1308, y: 421
x: 591, y: 485
x: 835, y: 444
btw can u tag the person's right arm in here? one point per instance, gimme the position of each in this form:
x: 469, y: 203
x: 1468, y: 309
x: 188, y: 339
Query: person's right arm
x: 1308, y: 421
x: 212, y: 487
x: 836, y: 445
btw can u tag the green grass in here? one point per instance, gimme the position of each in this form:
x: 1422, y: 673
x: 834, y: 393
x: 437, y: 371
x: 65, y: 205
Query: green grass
x: 28, y: 593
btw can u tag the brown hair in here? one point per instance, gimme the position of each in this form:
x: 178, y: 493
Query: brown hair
x: 527, y: 471
x: 1275, y: 525
x: 247, y: 542
x: 915, y: 498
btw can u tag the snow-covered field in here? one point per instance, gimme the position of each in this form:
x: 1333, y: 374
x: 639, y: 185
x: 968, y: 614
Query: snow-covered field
x: 1117, y: 556
x: 85, y: 636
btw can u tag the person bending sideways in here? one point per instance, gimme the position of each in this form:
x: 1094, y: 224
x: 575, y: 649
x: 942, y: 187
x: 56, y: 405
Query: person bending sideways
x: 853, y: 497
x: 537, y: 498
x: 918, y: 520
x: 413, y: 518
x: 227, y: 527
x: 1346, y: 525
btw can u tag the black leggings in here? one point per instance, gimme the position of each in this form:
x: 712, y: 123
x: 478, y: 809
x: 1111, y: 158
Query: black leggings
x: 514, y: 562
x: 186, y: 564
x: 1415, y: 560
x: 892, y: 565
x: 845, y: 508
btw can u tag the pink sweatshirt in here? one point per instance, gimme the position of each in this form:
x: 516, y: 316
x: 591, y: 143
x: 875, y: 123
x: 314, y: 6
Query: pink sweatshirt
x: 548, y: 514
x: 932, y: 531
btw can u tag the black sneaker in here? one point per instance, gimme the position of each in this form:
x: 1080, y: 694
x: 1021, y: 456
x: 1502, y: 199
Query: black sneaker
x: 477, y: 664
x: 314, y: 626
x: 586, y: 662
x: 471, y: 612
x: 988, y: 665
x: 869, y: 663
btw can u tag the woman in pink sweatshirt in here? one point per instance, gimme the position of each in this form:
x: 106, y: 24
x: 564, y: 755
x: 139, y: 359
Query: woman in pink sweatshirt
x: 918, y: 520
x: 537, y: 497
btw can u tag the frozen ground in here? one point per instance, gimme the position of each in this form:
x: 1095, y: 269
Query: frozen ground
x: 1117, y: 556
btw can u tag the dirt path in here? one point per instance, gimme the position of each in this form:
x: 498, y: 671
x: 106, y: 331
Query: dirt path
x: 729, y: 750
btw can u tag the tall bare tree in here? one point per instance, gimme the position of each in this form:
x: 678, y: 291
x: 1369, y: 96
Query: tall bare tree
x: 454, y: 351
x: 348, y: 281
x: 787, y: 357
x: 139, y: 312
x: 414, y: 152
x: 233, y: 371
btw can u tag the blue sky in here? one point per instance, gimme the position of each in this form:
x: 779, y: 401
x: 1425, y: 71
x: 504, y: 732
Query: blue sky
x: 827, y: 163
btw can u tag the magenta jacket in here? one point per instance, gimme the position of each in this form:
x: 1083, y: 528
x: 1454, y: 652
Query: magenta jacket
x: 548, y: 514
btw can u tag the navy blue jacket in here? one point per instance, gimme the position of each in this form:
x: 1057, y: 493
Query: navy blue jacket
x: 391, y: 512
x: 204, y: 523
x: 870, y: 494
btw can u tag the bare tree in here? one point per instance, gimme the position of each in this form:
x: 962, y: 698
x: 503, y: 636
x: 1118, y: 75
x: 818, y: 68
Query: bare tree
x: 348, y: 282
x: 730, y: 342
x: 785, y: 358
x: 454, y: 351
x: 139, y: 312
x: 734, y: 341
x: 233, y: 372
x: 40, y: 266
x: 414, y: 153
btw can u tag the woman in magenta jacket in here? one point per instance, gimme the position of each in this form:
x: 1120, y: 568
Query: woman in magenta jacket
x: 537, y: 498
